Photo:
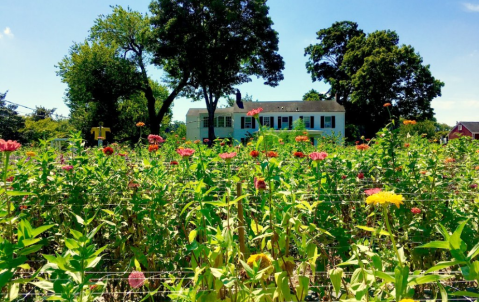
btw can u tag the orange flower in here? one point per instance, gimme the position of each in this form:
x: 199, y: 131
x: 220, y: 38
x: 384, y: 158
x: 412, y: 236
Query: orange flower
x: 152, y: 148
x: 140, y: 124
x: 254, y: 153
x: 302, y: 138
x: 423, y: 172
x: 272, y: 154
x: 406, y: 145
x: 387, y: 105
x: 409, y: 122
x: 362, y: 147
x: 449, y: 160
x: 477, y: 168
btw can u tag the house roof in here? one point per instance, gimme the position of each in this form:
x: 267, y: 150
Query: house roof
x: 471, y: 126
x: 283, y: 106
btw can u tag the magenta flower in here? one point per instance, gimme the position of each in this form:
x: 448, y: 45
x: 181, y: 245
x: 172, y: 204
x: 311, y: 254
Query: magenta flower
x: 155, y: 139
x: 259, y: 184
x: 9, y: 146
x: 317, y: 156
x: 473, y: 186
x: 186, y: 152
x: 370, y: 192
x: 228, y: 156
x: 136, y: 279
x: 255, y: 112
x: 67, y: 168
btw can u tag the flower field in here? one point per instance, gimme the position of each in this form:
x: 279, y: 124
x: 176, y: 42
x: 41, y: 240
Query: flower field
x: 389, y: 219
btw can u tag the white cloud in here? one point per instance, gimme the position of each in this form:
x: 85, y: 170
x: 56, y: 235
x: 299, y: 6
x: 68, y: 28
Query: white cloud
x: 471, y: 7
x: 6, y: 32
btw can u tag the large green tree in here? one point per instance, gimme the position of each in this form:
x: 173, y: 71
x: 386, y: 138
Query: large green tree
x: 97, y: 78
x: 129, y: 34
x: 10, y: 121
x: 216, y: 44
x: 367, y: 71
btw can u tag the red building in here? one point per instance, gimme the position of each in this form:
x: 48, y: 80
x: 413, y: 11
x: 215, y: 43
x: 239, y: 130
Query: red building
x: 470, y: 129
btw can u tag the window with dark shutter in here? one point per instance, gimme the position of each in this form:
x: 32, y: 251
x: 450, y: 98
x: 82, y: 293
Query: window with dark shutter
x: 254, y: 123
x: 279, y: 122
x: 312, y: 122
x: 261, y: 121
x: 271, y: 122
x: 333, y: 122
x: 242, y: 122
x: 290, y: 123
x: 322, y: 121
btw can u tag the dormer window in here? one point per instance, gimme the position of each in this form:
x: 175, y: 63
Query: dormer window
x: 459, y: 127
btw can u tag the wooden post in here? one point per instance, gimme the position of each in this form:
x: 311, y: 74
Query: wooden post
x: 241, y: 229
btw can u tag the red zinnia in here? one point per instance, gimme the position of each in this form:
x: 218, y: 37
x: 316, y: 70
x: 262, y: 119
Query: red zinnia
x: 173, y: 163
x: 272, y: 154
x: 362, y: 147
x: 360, y: 175
x: 254, y: 153
x: 259, y: 184
x: 298, y: 154
x: 136, y: 279
x: 10, y: 179
x: 108, y: 151
x: 9, y: 146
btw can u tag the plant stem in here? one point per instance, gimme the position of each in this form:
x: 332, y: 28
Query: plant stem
x: 386, y: 220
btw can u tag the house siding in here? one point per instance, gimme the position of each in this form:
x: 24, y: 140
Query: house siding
x: 455, y: 132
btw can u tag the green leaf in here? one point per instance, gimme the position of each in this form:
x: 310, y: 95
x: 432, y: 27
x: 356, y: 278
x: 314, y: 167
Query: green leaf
x: 442, y: 265
x: 465, y: 293
x: 187, y: 206
x: 192, y: 236
x: 473, y: 252
x: 14, y: 291
x: 109, y: 212
x: 443, y: 292
x: 30, y: 250
x: 386, y: 277
x: 260, y: 140
x: 436, y: 245
x: 303, y: 287
x: 401, y: 275
x: 455, y: 240
x: 19, y: 193
x: 41, y: 229
x: 5, y: 277
x: 46, y: 285
x: 373, y: 230
x: 336, y: 276
x: 428, y: 279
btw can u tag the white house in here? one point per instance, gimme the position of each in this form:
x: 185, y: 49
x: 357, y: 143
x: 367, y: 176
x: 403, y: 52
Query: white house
x: 320, y: 118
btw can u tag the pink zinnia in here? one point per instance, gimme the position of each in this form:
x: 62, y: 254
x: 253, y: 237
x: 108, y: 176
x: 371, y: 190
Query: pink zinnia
x: 416, y: 211
x: 67, y: 168
x: 255, y: 112
x: 136, y: 279
x: 155, y: 139
x: 317, y: 156
x: 370, y: 192
x: 228, y: 156
x: 8, y: 146
x: 185, y: 153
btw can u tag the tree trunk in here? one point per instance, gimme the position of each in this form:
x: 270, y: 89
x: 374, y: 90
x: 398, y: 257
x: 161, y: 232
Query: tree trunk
x: 154, y: 125
x: 211, y: 103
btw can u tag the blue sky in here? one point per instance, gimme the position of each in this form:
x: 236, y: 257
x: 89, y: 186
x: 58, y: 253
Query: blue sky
x: 36, y: 35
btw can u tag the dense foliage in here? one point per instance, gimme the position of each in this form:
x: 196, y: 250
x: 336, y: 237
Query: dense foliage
x: 366, y: 71
x: 277, y: 219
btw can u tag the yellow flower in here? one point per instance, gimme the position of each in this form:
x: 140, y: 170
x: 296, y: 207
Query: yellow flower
x: 407, y: 300
x: 385, y: 198
x: 31, y: 154
x: 264, y: 262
